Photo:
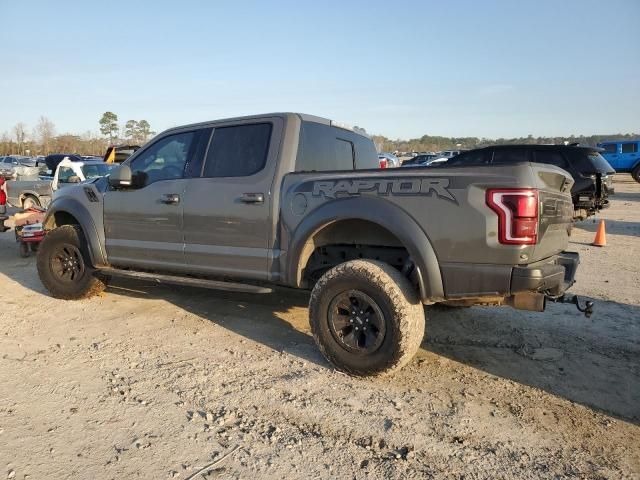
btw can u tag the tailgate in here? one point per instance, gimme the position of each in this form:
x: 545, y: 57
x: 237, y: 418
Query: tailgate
x: 556, y: 210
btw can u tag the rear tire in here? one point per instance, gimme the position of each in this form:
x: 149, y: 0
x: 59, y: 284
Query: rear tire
x: 636, y: 173
x: 30, y: 202
x: 23, y: 249
x: 64, y: 265
x: 366, y: 318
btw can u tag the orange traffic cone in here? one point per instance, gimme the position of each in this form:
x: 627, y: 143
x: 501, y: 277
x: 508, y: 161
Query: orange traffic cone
x: 601, y: 236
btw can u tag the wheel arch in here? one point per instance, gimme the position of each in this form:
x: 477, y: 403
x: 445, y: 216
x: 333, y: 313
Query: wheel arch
x: 384, y: 218
x: 67, y: 211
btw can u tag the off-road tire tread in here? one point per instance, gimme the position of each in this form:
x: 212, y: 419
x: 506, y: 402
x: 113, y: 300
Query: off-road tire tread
x: 94, y: 285
x: 408, y: 311
x: 635, y: 173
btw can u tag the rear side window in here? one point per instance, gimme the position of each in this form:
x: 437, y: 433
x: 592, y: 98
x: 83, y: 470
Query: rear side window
x: 629, y: 147
x: 610, y: 147
x: 344, y: 152
x: 552, y: 158
x: 510, y: 155
x: 325, y: 148
x: 238, y: 151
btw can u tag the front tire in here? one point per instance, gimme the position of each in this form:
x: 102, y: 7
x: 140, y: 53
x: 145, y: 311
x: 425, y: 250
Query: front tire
x: 636, y: 174
x: 366, y: 318
x: 64, y: 266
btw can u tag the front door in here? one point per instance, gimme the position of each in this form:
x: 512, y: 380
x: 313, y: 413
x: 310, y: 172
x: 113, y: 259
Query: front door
x: 228, y: 210
x: 143, y: 224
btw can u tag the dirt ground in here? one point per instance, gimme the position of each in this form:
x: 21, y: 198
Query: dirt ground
x: 152, y: 381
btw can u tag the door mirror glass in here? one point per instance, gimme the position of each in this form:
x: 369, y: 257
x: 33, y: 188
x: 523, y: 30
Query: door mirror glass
x: 120, y: 177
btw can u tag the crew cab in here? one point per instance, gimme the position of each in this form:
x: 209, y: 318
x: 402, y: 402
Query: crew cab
x: 39, y: 191
x: 252, y: 203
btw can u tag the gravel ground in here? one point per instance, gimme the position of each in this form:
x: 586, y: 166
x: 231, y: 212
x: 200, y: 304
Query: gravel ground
x: 157, y: 382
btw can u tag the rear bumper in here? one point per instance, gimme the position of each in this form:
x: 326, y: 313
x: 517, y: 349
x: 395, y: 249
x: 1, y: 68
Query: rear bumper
x: 523, y: 287
x: 552, y: 277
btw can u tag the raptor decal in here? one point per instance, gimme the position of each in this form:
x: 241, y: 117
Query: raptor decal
x: 397, y: 186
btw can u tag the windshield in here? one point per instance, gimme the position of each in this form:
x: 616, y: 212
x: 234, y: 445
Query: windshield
x: 96, y: 170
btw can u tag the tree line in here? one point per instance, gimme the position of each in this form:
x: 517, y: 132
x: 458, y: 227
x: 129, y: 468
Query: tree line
x: 43, y: 138
x: 430, y: 143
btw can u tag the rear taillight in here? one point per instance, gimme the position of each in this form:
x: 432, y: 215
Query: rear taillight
x: 517, y: 211
x: 3, y: 193
x: 383, y: 163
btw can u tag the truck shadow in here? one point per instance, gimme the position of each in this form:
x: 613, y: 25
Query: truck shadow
x: 278, y: 321
x: 594, y: 362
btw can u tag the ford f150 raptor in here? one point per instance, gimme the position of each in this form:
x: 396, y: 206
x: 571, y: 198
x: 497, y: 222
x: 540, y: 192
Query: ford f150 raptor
x: 293, y: 200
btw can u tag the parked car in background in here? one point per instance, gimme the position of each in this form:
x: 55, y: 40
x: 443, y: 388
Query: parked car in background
x: 39, y: 192
x: 419, y: 160
x: 388, y: 160
x: 3, y: 205
x: 623, y: 155
x: 592, y: 174
x: 448, y: 153
x: 13, y: 165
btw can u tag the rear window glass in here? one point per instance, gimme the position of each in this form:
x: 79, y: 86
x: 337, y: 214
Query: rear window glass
x: 599, y: 162
x: 510, y: 155
x: 238, y: 151
x: 610, y: 147
x: 552, y: 158
x: 629, y: 147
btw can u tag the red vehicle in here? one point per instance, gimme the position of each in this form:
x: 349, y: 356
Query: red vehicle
x: 3, y: 205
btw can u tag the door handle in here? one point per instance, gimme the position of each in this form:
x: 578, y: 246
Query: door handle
x: 170, y: 198
x: 252, y: 198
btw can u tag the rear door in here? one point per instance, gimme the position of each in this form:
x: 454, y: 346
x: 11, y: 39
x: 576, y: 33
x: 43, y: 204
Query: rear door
x: 612, y: 154
x: 228, y: 224
x: 143, y: 225
x: 628, y: 155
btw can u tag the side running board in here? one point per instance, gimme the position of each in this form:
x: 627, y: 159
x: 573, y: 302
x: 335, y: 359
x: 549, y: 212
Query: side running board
x: 188, y: 281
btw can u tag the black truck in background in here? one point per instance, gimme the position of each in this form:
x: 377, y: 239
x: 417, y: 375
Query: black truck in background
x: 592, y: 174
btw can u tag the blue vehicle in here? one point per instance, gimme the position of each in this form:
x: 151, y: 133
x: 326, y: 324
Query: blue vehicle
x: 623, y: 155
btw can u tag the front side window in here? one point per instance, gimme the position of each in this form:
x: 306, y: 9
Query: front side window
x: 164, y: 160
x: 629, y: 147
x: 610, y: 148
x: 238, y: 151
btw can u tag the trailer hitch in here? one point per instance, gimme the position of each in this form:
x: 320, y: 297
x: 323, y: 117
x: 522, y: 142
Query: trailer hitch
x: 588, y: 306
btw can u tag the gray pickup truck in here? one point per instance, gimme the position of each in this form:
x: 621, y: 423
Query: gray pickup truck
x: 298, y: 201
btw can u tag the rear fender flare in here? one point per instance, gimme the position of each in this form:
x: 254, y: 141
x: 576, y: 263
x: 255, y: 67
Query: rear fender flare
x: 383, y: 213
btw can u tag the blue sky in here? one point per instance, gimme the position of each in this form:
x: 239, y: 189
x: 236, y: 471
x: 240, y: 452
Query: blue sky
x: 398, y: 68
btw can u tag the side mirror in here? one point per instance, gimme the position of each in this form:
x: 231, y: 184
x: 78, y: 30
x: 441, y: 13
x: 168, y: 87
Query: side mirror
x: 73, y: 179
x: 120, y: 177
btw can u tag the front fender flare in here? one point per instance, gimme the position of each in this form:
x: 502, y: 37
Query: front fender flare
x: 383, y: 213
x: 95, y: 239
